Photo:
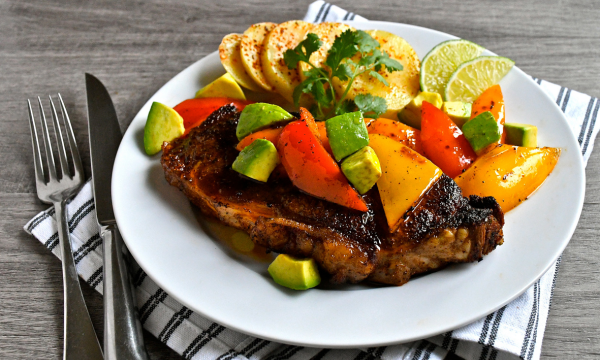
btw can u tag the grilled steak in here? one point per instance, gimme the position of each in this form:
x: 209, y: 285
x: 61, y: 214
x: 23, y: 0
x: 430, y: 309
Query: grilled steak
x: 351, y: 246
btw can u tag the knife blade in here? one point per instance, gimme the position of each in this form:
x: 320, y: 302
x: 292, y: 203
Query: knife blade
x: 123, y: 337
x: 105, y: 137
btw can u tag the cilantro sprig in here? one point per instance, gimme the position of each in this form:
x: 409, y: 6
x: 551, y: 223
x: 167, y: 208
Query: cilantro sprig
x: 341, y: 64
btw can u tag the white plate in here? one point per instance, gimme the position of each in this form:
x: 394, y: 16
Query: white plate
x: 162, y: 233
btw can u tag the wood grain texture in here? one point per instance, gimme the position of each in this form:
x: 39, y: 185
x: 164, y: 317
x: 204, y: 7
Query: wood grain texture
x: 135, y: 47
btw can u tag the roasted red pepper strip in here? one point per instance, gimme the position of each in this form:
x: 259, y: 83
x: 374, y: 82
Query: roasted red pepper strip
x: 306, y: 116
x: 491, y: 100
x: 443, y: 142
x: 195, y: 111
x: 311, y: 168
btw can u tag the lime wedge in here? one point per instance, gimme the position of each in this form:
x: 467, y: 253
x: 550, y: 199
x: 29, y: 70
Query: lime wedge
x: 441, y: 62
x: 475, y: 76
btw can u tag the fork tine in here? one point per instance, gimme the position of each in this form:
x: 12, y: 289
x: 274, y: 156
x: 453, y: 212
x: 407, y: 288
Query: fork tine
x: 62, y: 153
x: 72, y: 143
x: 37, y: 155
x: 47, y: 145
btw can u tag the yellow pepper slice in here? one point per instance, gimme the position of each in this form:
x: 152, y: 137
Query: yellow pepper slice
x: 508, y: 173
x: 406, y: 176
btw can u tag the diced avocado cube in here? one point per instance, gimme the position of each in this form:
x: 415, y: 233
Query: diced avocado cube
x: 225, y: 86
x: 294, y: 273
x: 257, y: 160
x: 163, y: 124
x: 259, y: 115
x: 459, y: 112
x: 521, y: 134
x: 410, y: 117
x: 362, y: 169
x: 482, y: 131
x: 411, y: 114
x: 347, y: 133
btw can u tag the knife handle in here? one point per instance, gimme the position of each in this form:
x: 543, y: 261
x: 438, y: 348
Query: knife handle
x: 123, y: 338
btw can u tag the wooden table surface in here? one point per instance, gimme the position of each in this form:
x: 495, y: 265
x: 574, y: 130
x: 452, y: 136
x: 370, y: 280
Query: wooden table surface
x: 135, y: 47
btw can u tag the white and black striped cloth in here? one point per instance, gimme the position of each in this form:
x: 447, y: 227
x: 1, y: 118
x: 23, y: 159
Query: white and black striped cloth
x: 513, y: 332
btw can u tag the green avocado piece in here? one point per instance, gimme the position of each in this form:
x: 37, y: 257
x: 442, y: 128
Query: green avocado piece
x: 163, y: 124
x: 482, y: 131
x: 410, y: 117
x: 347, y: 133
x: 521, y: 134
x: 411, y: 114
x: 294, y: 273
x: 459, y: 112
x: 257, y: 160
x: 362, y: 169
x: 259, y: 115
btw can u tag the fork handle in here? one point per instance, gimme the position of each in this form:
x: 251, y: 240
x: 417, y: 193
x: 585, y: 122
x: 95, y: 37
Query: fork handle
x: 123, y: 338
x: 80, y: 341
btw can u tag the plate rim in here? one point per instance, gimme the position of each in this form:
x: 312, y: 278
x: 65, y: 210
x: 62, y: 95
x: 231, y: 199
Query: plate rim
x: 233, y: 326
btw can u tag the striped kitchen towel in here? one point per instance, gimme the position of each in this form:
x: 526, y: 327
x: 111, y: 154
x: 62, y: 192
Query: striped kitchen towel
x: 513, y: 332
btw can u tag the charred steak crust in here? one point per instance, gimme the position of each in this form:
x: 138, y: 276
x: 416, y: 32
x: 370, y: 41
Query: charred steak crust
x: 444, y: 227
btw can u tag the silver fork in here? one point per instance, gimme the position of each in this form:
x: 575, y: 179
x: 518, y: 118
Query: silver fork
x: 80, y: 341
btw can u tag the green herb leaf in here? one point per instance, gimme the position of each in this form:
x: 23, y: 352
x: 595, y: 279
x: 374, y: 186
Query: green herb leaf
x: 342, y: 72
x: 322, y: 97
x: 344, y: 46
x: 339, y: 64
x: 368, y: 103
x: 365, y: 42
x: 347, y: 106
x: 368, y: 60
x: 313, y: 72
x: 311, y: 44
x: 304, y: 87
x: 391, y: 65
x: 303, y: 51
x: 292, y: 58
x: 379, y: 77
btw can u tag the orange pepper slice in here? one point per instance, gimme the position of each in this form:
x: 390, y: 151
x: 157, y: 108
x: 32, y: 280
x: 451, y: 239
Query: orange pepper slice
x: 398, y: 131
x: 491, y: 100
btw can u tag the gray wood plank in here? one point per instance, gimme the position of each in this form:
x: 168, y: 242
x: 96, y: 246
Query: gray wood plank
x: 135, y: 47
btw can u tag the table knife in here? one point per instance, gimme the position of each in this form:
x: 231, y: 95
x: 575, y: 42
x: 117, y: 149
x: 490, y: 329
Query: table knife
x: 123, y: 339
